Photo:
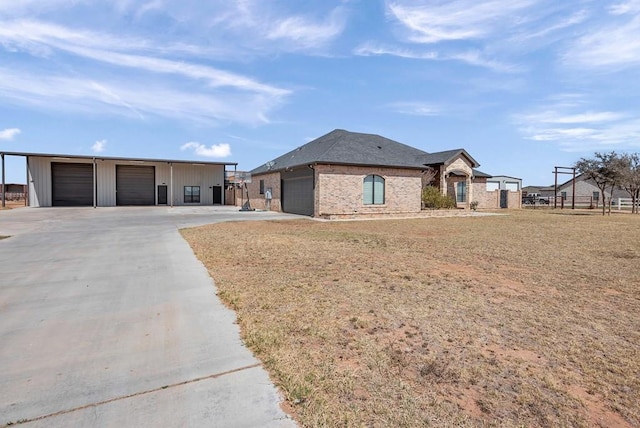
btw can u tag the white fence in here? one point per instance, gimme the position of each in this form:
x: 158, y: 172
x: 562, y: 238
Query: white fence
x: 625, y: 203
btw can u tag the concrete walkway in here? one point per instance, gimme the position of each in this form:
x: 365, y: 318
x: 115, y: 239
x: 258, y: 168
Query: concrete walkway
x: 108, y: 319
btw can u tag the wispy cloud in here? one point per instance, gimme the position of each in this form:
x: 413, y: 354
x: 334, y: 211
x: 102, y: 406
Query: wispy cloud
x: 191, y: 91
x: 91, y: 96
x: 9, y: 133
x: 573, y: 128
x: 22, y: 7
x: 43, y: 37
x: 306, y: 33
x: 549, y: 27
x: 415, y: 108
x: 248, y: 27
x: 586, y: 117
x: 372, y: 49
x: 221, y: 150
x: 438, y: 21
x: 622, y: 8
x: 465, y: 31
x: 99, y: 146
x: 609, y: 48
x: 474, y: 58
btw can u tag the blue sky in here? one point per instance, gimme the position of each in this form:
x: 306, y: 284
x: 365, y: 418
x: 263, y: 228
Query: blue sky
x: 522, y: 85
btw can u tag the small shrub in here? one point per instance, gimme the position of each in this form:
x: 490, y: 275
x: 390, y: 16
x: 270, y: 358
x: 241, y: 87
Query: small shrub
x: 433, y: 199
x: 474, y: 205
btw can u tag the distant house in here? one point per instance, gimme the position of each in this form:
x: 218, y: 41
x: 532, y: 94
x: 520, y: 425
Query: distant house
x: 346, y: 174
x: 587, y: 193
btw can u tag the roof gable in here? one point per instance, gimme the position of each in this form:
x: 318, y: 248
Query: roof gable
x: 448, y: 156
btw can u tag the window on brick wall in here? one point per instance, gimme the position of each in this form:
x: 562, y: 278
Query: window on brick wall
x: 461, y: 193
x: 262, y: 187
x: 373, y: 190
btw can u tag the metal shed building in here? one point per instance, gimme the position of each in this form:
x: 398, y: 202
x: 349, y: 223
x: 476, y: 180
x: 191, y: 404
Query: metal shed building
x: 71, y: 180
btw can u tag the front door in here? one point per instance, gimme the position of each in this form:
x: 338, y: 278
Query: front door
x: 217, y: 195
x: 162, y: 195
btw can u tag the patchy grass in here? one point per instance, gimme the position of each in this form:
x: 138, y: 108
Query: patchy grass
x: 530, y: 319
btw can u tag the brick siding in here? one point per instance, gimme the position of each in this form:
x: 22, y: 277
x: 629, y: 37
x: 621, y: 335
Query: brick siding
x: 339, y: 190
x: 257, y: 200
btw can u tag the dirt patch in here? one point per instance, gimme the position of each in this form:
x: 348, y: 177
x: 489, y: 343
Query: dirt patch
x: 482, y: 321
x: 12, y: 204
x: 596, y: 410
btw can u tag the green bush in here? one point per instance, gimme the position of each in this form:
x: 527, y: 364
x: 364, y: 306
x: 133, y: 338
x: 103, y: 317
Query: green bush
x: 433, y: 199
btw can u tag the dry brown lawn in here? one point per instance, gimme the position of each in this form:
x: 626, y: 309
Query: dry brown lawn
x: 530, y: 319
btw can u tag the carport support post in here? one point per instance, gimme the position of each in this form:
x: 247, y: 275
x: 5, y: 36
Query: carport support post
x: 4, y: 186
x: 171, y: 182
x: 27, y: 188
x: 95, y: 196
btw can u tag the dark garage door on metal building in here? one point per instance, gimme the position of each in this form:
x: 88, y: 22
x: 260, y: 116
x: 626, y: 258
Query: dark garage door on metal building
x: 135, y: 185
x: 297, y: 192
x: 71, y: 184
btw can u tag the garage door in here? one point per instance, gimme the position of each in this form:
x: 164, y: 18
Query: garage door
x: 135, y: 185
x: 72, y: 184
x: 297, y: 194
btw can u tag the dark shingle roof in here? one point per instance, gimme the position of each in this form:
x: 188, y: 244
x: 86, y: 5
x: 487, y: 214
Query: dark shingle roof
x: 354, y: 148
x: 478, y: 173
x: 442, y: 157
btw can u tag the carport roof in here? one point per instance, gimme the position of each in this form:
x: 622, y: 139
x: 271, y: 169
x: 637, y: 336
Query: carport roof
x: 340, y: 147
x: 91, y: 157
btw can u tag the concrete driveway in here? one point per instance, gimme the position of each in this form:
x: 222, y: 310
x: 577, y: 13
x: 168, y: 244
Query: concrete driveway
x: 108, y: 319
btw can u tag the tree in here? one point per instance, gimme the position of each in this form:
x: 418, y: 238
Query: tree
x: 630, y: 178
x: 605, y: 169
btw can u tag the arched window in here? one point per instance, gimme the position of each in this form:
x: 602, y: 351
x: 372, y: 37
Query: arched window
x: 373, y: 190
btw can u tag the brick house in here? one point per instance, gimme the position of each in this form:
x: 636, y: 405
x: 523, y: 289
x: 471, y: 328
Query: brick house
x: 347, y: 174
